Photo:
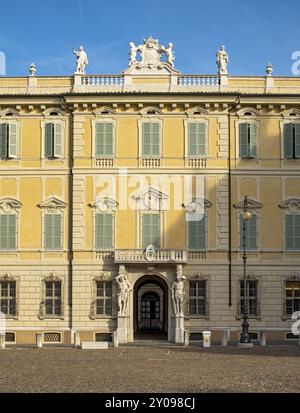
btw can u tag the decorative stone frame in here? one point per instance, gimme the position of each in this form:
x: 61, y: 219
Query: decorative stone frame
x: 58, y: 119
x: 105, y: 277
x: 254, y: 207
x: 290, y: 206
x: 293, y: 277
x: 13, y: 119
x: 53, y: 206
x: 194, y: 278
x: 250, y: 277
x: 52, y: 277
x: 11, y: 206
x: 286, y: 120
x: 153, y: 118
x: 104, y: 115
x: 9, y: 278
x: 196, y: 115
x: 104, y: 206
x: 150, y: 200
x: 197, y: 205
x: 252, y: 119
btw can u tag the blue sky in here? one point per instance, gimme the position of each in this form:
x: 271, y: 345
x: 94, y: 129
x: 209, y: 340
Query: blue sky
x: 45, y: 32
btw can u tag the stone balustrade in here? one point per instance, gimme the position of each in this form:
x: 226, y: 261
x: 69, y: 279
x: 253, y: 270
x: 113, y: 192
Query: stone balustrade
x: 199, y: 80
x: 102, y: 80
x: 160, y: 256
x: 104, y: 163
x: 195, y: 163
x: 150, y: 162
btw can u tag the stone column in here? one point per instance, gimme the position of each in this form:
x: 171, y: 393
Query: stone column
x: 39, y: 340
x: 2, y: 341
x: 77, y: 339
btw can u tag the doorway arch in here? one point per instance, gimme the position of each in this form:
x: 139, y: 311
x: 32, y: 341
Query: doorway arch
x: 150, y: 308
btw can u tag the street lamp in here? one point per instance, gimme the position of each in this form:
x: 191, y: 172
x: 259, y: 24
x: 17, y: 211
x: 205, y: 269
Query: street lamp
x: 245, y: 340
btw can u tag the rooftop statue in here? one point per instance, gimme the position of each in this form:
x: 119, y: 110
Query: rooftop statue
x: 151, y: 53
x: 222, y: 61
x: 82, y: 61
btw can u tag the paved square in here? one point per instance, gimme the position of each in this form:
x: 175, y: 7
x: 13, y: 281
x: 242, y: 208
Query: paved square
x: 149, y: 369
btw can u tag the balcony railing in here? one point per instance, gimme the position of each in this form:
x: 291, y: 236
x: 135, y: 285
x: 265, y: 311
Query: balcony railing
x: 199, y: 80
x: 159, y: 256
x: 102, y: 80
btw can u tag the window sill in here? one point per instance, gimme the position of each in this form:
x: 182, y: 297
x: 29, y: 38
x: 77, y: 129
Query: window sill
x: 250, y: 317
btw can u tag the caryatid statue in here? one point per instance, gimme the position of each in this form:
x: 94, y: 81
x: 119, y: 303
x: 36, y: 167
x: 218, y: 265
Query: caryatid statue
x: 123, y: 291
x: 178, y: 291
x: 222, y: 61
x: 82, y: 61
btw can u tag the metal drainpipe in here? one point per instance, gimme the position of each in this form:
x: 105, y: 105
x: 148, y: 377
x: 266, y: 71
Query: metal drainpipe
x: 237, y: 101
x: 70, y: 242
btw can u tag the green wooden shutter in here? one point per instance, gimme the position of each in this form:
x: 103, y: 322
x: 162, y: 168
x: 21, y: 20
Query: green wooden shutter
x: 56, y: 231
x: 297, y: 231
x: 155, y: 150
x: 12, y: 232
x: 192, y: 139
x: 252, y: 232
x: 103, y: 231
x: 252, y: 141
x: 3, y: 231
x: 12, y: 139
x: 3, y: 140
x: 201, y: 139
x: 58, y: 140
x: 288, y: 141
x: 289, y: 232
x: 197, y: 234
x: 108, y: 143
x: 151, y: 230
x: 104, y: 139
x: 48, y: 239
x: 146, y: 139
x: 49, y: 139
x: 196, y: 139
x: 243, y: 140
x: 297, y: 140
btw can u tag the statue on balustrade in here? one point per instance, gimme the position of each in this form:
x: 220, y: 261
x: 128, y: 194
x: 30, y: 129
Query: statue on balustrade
x: 222, y: 61
x: 82, y: 61
x: 178, y: 291
x: 123, y: 291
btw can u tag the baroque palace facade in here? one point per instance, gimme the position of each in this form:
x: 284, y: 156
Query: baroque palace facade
x: 100, y: 178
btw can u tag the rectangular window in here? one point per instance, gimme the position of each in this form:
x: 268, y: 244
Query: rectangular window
x: 53, y: 299
x: 292, y: 297
x: 8, y: 298
x: 52, y: 232
x: 151, y: 230
x: 53, y: 140
x: 197, y: 298
x: 104, y: 139
x: 151, y: 139
x: 247, y: 140
x: 292, y: 141
x: 8, y: 232
x: 197, y: 233
x: 104, y: 298
x: 292, y: 232
x: 251, y: 295
x: 250, y: 233
x: 104, y: 232
x: 196, y: 139
x: 8, y: 140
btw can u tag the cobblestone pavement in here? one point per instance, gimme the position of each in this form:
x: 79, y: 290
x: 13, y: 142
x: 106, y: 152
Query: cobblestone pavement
x: 146, y: 369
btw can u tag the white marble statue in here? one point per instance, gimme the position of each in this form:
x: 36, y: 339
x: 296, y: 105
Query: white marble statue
x: 82, y: 61
x: 222, y: 61
x: 123, y: 291
x: 133, y: 53
x: 170, y: 54
x: 178, y: 292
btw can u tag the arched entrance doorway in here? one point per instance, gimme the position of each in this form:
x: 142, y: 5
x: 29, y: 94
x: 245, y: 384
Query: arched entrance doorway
x: 150, y: 307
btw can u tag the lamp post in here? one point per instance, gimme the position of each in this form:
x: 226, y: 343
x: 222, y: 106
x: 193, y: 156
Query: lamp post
x: 245, y: 340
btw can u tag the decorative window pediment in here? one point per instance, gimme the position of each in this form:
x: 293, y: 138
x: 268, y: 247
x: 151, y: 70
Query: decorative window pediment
x: 197, y: 205
x: 53, y: 204
x: 291, y: 205
x: 151, y: 110
x: 251, y: 205
x: 9, y: 205
x: 295, y: 276
x: 103, y: 276
x: 104, y: 204
x: 150, y: 199
x: 104, y: 110
x: 291, y: 113
x: 51, y: 111
x: 248, y: 112
x: 52, y: 277
x: 7, y: 277
x: 196, y: 111
x: 9, y: 112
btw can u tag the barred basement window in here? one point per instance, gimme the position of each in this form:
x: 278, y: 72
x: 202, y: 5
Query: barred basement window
x: 197, y: 298
x: 290, y: 336
x: 10, y: 337
x: 253, y: 335
x: 53, y: 301
x: 104, y: 298
x: 251, y: 295
x: 103, y: 337
x: 292, y: 297
x: 52, y: 338
x: 8, y: 297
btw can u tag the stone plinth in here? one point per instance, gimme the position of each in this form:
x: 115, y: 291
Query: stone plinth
x: 77, y: 339
x: 179, y: 329
x: 245, y: 345
x: 2, y: 341
x: 94, y: 345
x: 122, y: 329
x: 225, y: 337
x: 39, y: 340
